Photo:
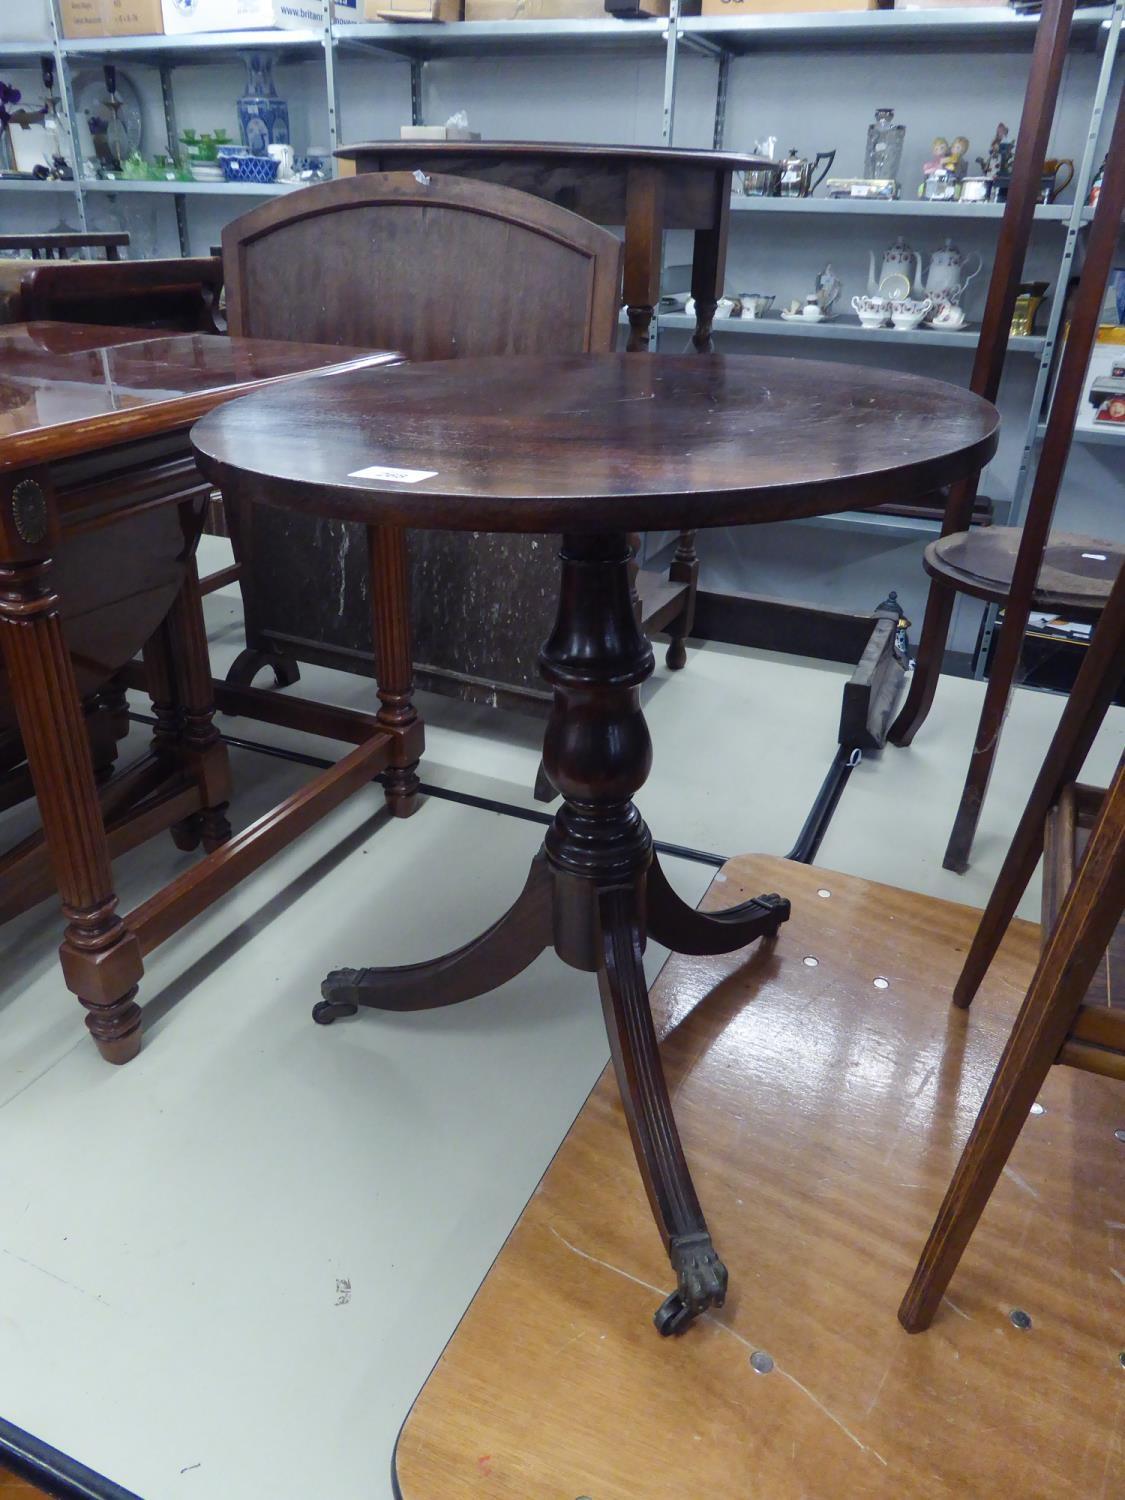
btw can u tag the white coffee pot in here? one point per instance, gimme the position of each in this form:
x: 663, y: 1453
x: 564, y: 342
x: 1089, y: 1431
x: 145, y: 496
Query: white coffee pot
x: 898, y: 260
x: 948, y: 274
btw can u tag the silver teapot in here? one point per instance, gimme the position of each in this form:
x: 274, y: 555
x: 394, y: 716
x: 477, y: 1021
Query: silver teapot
x: 797, y: 174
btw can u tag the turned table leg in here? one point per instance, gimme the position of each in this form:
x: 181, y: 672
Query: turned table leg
x: 644, y: 238
x: 101, y: 959
x: 394, y: 664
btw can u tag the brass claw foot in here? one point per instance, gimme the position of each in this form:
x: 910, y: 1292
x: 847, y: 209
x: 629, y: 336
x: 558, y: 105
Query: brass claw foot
x: 702, y: 1283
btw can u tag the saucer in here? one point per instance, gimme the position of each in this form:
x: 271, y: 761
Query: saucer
x: 791, y: 317
x: 895, y: 287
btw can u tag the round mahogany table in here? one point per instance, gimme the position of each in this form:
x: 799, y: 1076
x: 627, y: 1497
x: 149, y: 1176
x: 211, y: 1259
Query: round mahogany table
x: 594, y: 447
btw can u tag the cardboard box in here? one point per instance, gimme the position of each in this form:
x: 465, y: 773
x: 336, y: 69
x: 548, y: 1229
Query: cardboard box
x: 82, y: 18
x: 90, y: 18
x: 132, y: 17
x: 412, y: 10
x: 182, y: 17
x: 1102, y: 408
x: 781, y: 7
x: 537, y: 10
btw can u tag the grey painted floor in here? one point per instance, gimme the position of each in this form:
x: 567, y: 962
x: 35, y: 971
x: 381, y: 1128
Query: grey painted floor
x: 226, y: 1269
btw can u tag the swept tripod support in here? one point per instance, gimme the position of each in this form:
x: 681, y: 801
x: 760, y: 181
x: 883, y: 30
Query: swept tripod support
x: 595, y: 894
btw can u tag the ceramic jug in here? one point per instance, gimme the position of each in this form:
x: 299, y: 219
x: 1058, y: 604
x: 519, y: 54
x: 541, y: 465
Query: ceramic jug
x: 899, y: 259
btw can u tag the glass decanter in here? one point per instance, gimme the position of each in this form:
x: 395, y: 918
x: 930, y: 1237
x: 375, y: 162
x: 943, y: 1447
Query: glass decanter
x: 884, y: 147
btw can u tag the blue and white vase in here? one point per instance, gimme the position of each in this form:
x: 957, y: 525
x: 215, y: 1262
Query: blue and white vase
x: 263, y: 118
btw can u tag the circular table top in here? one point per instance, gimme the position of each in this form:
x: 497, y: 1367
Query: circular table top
x: 604, y: 442
x: 1075, y: 578
x: 672, y: 156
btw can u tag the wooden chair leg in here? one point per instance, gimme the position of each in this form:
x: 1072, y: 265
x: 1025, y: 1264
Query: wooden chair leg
x: 1086, y: 923
x: 201, y: 742
x: 927, y: 665
x: 684, y: 569
x: 994, y: 710
x: 394, y: 664
x: 1093, y: 692
x: 257, y: 655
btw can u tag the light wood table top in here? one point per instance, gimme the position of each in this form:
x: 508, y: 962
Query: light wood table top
x: 822, y: 1116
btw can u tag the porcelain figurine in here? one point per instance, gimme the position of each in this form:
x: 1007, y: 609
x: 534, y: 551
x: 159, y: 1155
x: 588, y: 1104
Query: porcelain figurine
x: 901, y: 267
x: 828, y: 289
x: 998, y: 162
x: 948, y: 275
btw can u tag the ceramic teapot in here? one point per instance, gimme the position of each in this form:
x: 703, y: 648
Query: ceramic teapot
x: 948, y: 273
x: 899, y: 261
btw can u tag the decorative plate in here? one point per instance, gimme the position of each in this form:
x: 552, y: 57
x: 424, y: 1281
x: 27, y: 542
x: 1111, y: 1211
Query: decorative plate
x: 90, y: 99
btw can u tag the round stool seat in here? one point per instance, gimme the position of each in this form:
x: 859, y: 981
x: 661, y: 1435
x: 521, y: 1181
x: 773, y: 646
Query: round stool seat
x: 1075, y: 578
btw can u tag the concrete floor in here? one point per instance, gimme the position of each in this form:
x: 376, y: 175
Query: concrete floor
x: 226, y: 1269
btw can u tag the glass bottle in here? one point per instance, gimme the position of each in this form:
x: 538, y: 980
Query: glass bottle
x: 884, y: 147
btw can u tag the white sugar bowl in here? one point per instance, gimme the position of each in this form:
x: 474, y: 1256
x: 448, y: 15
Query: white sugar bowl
x: 871, y: 311
x: 908, y: 313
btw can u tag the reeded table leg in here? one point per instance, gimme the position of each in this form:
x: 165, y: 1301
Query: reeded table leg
x: 101, y: 959
x: 394, y: 665
x: 595, y: 893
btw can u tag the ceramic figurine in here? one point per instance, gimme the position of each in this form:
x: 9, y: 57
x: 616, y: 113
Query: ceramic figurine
x: 938, y: 152
x: 955, y: 158
x: 828, y: 289
x: 263, y: 118
x: 943, y: 170
x: 998, y: 162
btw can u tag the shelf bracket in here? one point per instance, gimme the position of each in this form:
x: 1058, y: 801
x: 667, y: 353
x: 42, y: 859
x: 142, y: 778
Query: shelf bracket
x: 722, y: 84
x: 331, y: 86
x: 66, y: 109
x: 417, y: 112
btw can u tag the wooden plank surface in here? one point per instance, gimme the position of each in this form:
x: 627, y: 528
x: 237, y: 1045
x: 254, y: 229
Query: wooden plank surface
x: 823, y: 1115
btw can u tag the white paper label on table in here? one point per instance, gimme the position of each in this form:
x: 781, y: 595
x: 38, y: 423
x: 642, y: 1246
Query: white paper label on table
x: 396, y: 476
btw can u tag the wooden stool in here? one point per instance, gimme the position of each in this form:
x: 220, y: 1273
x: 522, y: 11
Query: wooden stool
x: 1065, y: 1016
x: 1026, y: 569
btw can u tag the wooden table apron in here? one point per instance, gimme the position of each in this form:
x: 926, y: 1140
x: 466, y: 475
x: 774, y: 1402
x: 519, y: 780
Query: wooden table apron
x: 594, y: 447
x: 646, y: 190
x: 101, y: 507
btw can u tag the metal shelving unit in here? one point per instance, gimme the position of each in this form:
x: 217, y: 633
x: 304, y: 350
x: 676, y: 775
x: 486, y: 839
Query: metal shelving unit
x: 847, y: 327
x: 193, y: 189
x: 939, y: 29
x: 896, y: 208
